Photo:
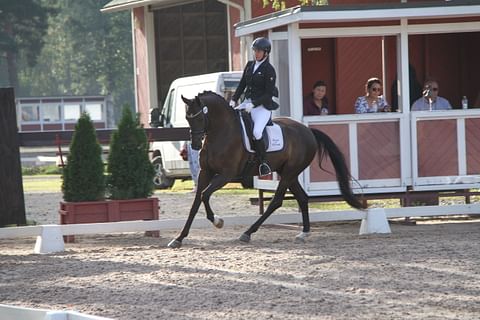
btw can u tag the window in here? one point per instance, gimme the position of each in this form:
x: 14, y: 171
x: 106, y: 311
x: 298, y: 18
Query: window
x: 51, y: 112
x: 30, y: 113
x: 94, y: 110
x: 229, y: 89
x: 71, y: 112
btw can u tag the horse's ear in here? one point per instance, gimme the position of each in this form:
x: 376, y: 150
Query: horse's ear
x: 197, y: 100
x: 187, y: 101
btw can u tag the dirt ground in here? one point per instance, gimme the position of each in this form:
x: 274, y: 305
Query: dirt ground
x: 427, y: 271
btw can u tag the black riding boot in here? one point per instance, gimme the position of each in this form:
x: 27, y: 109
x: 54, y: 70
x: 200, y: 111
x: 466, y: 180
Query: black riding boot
x: 264, y: 168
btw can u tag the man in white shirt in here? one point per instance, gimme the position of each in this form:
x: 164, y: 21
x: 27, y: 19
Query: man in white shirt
x: 430, y: 99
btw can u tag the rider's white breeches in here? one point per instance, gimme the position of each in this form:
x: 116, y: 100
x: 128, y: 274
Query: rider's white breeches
x: 260, y: 117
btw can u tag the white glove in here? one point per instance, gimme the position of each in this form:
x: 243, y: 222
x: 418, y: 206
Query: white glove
x: 245, y: 106
x: 232, y: 104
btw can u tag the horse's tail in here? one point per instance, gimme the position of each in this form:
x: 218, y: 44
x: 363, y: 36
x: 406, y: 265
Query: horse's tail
x: 327, y: 146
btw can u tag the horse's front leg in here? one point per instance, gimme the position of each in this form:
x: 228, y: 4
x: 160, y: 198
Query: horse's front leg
x: 217, y: 183
x: 203, y: 181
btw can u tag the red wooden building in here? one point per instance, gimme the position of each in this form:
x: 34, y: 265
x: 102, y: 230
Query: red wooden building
x: 343, y: 43
x: 177, y: 38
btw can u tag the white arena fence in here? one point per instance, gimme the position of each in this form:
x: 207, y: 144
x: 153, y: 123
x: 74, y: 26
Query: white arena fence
x: 50, y: 237
x: 17, y: 313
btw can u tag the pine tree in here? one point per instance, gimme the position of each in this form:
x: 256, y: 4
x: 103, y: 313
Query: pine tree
x: 130, y: 170
x: 83, y: 178
x: 23, y: 25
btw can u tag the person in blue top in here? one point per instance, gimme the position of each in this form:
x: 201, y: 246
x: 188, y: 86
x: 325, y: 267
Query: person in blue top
x: 373, y: 100
x: 430, y: 101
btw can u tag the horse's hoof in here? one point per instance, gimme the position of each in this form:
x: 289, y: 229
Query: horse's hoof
x: 244, y: 238
x: 302, y: 237
x: 218, y: 222
x: 174, y: 244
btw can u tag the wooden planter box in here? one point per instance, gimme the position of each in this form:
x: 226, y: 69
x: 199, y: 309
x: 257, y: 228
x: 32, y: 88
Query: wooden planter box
x: 109, y: 211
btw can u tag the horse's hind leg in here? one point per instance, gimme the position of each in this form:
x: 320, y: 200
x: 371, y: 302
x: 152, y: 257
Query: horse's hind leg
x: 302, y: 200
x: 274, y: 205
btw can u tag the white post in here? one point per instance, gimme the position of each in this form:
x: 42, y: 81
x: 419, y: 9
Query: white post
x: 50, y: 240
x: 56, y: 315
x: 375, y: 222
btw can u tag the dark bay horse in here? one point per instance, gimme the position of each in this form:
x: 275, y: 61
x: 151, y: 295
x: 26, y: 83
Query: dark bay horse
x: 223, y: 157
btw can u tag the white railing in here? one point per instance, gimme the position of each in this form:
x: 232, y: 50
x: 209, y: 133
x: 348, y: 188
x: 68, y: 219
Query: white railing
x: 357, y: 136
x: 16, y: 313
x: 49, y: 237
x: 453, y: 124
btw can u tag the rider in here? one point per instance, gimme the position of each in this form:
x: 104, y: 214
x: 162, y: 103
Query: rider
x: 258, y: 82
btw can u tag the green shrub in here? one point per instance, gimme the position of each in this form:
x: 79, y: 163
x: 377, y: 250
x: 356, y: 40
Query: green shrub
x: 52, y: 169
x: 45, y: 169
x: 129, y: 167
x: 83, y: 178
x: 30, y: 171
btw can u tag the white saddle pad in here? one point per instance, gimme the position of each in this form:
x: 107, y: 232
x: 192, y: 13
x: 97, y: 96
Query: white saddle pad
x: 275, y: 138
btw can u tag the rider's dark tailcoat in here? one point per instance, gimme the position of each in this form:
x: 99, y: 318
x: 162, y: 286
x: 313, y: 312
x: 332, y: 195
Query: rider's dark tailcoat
x: 259, y: 86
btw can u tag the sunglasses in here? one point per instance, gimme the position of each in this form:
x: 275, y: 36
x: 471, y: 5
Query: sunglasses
x: 434, y: 89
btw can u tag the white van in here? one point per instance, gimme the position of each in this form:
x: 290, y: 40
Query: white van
x: 166, y: 154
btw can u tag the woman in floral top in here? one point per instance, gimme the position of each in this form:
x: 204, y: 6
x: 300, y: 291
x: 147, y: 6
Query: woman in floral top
x: 372, y: 101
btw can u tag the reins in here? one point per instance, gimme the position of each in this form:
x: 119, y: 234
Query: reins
x: 203, y: 111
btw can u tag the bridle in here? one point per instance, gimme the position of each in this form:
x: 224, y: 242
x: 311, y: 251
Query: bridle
x: 201, y: 132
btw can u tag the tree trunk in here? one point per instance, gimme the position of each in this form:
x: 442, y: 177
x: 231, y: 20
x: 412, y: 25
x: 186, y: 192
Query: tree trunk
x: 11, y: 58
x: 12, y: 203
x: 12, y: 69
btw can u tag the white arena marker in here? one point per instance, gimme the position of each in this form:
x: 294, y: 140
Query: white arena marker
x: 50, y: 240
x: 375, y: 222
x: 56, y: 315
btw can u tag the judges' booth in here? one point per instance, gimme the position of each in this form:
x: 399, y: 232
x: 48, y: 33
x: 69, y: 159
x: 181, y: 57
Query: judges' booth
x: 403, y: 44
x: 62, y: 113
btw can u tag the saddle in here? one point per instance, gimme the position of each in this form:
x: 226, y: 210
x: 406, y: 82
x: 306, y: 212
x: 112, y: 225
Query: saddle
x: 272, y: 135
x: 248, y: 122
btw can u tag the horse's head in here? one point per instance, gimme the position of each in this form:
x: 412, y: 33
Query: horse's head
x: 208, y: 108
x: 196, y: 115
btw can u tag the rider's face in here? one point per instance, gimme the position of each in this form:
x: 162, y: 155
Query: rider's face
x: 259, y: 54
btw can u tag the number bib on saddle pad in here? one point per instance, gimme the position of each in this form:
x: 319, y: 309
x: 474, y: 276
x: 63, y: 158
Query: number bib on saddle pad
x: 272, y: 136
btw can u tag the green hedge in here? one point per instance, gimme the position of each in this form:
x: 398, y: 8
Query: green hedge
x: 130, y: 170
x: 83, y: 178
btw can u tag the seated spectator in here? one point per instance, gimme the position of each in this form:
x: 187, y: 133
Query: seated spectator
x: 430, y: 99
x: 372, y: 101
x: 316, y: 103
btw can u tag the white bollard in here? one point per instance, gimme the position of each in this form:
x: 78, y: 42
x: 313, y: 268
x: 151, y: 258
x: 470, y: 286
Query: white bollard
x: 56, y: 315
x: 50, y: 240
x: 375, y: 222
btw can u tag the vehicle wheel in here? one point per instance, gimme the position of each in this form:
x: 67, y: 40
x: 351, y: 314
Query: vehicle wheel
x: 247, y: 182
x: 160, y: 180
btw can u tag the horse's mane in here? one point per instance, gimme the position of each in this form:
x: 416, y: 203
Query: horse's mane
x: 211, y: 94
x: 208, y: 92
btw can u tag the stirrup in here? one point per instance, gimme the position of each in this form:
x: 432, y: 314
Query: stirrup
x: 264, y: 169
